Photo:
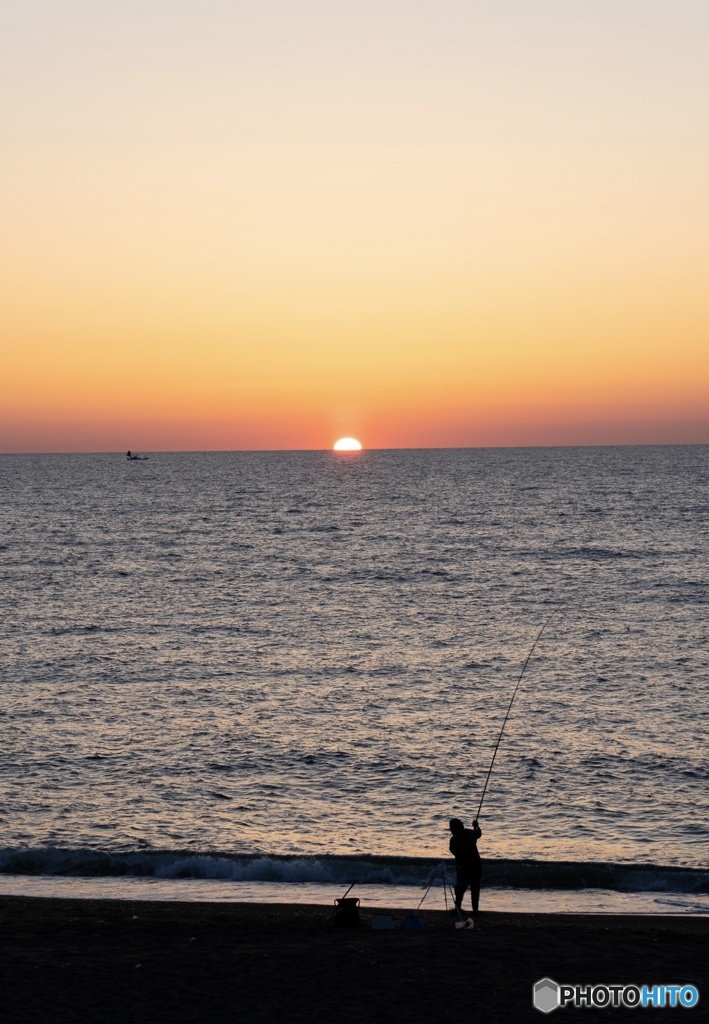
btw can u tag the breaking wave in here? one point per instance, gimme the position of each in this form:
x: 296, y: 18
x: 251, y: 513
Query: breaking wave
x: 414, y: 871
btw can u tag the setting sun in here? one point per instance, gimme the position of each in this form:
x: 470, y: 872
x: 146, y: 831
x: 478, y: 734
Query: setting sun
x: 347, y: 444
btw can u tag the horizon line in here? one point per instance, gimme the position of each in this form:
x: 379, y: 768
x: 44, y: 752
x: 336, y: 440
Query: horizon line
x: 363, y: 450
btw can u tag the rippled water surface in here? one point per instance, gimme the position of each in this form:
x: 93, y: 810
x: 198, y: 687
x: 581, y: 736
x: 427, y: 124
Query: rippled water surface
x: 303, y: 653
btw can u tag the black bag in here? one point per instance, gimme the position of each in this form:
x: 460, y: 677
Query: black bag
x: 347, y: 913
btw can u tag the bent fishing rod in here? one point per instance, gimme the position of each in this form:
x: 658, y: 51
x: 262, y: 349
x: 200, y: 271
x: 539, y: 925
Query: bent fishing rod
x: 514, y: 694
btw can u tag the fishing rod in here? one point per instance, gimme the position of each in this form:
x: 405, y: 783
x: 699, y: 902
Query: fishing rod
x: 514, y: 694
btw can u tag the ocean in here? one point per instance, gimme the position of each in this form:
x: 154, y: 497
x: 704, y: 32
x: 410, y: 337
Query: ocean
x: 265, y: 675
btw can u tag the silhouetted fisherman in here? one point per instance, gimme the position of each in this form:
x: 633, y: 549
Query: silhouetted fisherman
x: 464, y: 847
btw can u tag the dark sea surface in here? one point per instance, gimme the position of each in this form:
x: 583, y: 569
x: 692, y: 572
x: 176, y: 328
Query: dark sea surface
x: 293, y: 667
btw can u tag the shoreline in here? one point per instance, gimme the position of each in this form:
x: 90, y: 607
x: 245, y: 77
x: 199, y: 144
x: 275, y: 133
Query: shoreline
x: 68, y: 960
x: 389, y: 898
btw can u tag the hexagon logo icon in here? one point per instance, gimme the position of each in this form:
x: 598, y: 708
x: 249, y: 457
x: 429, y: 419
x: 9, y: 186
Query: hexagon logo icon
x: 545, y: 995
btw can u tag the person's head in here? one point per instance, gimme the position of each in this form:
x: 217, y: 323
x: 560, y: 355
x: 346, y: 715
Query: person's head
x: 456, y: 826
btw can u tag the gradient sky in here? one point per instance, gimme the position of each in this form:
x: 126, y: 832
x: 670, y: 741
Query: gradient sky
x: 228, y: 225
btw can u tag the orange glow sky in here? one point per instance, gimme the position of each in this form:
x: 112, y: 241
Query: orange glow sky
x: 418, y: 224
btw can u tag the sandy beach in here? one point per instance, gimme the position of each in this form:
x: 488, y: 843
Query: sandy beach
x: 118, y: 961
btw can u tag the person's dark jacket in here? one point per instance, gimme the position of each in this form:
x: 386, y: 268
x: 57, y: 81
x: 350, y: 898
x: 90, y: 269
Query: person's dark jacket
x: 464, y: 847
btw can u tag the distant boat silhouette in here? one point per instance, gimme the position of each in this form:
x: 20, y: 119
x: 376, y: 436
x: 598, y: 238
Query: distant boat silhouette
x: 136, y: 458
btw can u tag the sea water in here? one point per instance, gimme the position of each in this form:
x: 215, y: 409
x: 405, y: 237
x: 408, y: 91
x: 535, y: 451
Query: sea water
x: 275, y: 670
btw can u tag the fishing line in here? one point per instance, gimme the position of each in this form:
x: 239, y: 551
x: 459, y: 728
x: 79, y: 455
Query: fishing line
x: 514, y: 694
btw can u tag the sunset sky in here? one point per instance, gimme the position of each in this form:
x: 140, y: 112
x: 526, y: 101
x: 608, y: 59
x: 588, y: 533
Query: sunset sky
x: 266, y: 225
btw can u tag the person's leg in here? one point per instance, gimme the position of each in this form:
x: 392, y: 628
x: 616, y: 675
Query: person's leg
x: 461, y: 884
x: 475, y: 891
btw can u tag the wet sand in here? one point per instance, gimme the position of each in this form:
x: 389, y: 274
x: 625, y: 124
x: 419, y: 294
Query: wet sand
x: 118, y: 961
